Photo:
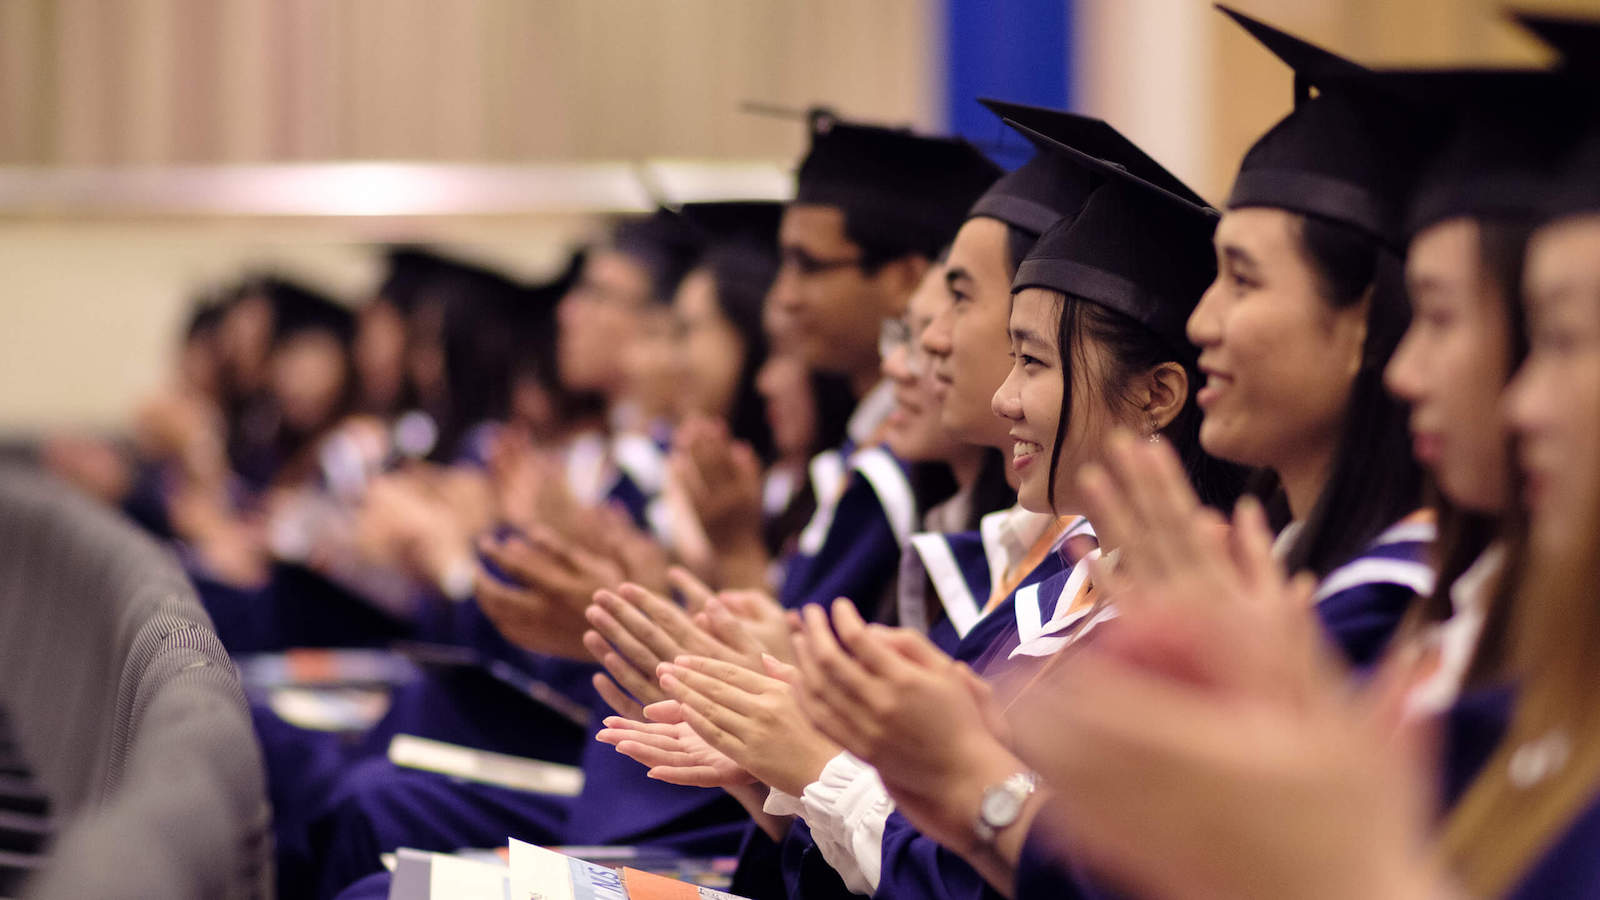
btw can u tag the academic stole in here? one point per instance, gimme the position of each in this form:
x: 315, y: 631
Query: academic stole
x: 1042, y: 547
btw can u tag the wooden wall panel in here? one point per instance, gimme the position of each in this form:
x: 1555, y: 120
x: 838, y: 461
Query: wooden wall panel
x: 153, y: 81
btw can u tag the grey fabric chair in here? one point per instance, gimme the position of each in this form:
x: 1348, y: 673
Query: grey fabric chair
x: 126, y: 706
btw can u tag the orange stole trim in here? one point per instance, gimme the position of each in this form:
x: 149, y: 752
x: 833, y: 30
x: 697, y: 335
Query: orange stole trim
x: 1042, y: 547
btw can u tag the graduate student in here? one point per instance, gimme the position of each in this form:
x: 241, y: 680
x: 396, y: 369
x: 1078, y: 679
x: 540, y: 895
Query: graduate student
x: 621, y: 284
x: 1527, y: 824
x: 308, y: 385
x: 1295, y: 333
x: 1122, y: 325
x: 1097, y: 342
x: 718, y: 347
x: 873, y: 207
x: 1342, y: 302
x: 377, y: 806
x: 382, y: 334
x: 753, y: 517
x: 1470, y: 218
x: 973, y: 572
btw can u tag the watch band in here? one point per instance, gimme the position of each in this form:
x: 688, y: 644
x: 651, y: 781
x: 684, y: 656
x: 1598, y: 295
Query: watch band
x: 1017, y: 789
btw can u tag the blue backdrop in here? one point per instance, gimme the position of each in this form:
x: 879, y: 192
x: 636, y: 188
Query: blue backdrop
x: 1016, y: 50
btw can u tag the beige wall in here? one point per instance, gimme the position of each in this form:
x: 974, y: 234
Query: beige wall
x: 87, y: 308
x: 89, y: 311
x: 1193, y: 87
x: 106, y: 81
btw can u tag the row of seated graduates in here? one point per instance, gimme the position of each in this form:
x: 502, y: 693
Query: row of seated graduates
x: 1451, y: 179
x: 842, y: 185
x: 322, y: 472
x: 1106, y: 217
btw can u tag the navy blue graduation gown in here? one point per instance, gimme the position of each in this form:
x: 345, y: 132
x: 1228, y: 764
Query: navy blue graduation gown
x: 297, y: 607
x: 1471, y: 731
x: 1362, y: 601
x: 851, y: 547
x: 912, y: 864
x: 1570, y: 868
x: 372, y: 887
x: 378, y: 806
x: 956, y: 569
x: 1044, y: 871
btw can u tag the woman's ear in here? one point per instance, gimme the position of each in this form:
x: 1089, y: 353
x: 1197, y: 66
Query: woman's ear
x: 1350, y: 331
x: 1166, y: 389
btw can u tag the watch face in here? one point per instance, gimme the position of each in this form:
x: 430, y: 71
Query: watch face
x: 1000, y: 807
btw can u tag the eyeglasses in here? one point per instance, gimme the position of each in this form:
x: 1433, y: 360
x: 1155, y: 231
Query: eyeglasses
x: 806, y: 265
x: 897, y: 334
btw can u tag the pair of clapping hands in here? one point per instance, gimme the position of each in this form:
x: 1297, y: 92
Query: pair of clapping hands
x: 714, y: 487
x: 541, y: 572
x: 1210, y: 743
x: 730, y: 689
x: 1209, y: 722
x: 538, y: 573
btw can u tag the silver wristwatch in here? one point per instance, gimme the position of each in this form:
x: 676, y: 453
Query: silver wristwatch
x: 1002, y: 804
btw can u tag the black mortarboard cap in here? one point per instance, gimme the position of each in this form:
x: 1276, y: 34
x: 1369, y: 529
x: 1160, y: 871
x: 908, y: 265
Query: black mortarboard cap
x: 1038, y: 193
x: 1349, y: 153
x: 1135, y: 248
x: 664, y: 244
x: 1308, y: 61
x: 741, y: 240
x: 298, y: 309
x: 735, y: 221
x: 1575, y: 185
x: 1091, y: 136
x: 1506, y: 132
x: 913, y: 187
x: 407, y: 271
x: 1576, y: 39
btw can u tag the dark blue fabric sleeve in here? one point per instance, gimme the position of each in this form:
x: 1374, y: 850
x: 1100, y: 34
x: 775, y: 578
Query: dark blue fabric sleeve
x: 759, y: 874
x: 915, y: 866
x: 805, y: 872
x: 1045, y: 873
x: 373, y: 887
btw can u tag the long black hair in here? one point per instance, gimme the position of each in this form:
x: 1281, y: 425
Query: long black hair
x: 834, y: 400
x: 1464, y: 534
x: 741, y: 277
x: 479, y: 336
x: 1373, y: 480
x: 1132, y: 349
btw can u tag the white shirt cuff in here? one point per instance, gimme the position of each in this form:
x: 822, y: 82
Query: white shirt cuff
x: 846, y: 808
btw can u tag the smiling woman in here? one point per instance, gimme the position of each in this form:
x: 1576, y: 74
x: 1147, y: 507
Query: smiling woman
x: 1087, y: 359
x: 1294, y: 335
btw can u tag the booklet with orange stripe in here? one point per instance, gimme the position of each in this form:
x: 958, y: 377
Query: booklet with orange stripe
x: 642, y: 885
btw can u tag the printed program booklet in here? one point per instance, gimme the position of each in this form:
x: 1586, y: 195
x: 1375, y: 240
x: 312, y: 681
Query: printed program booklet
x: 531, y: 873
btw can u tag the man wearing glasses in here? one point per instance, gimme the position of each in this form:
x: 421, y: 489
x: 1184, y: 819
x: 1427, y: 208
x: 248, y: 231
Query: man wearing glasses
x: 873, y: 207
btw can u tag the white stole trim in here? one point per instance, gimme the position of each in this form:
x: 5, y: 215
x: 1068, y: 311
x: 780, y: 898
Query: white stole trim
x: 949, y: 583
x: 828, y: 475
x: 888, y: 481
